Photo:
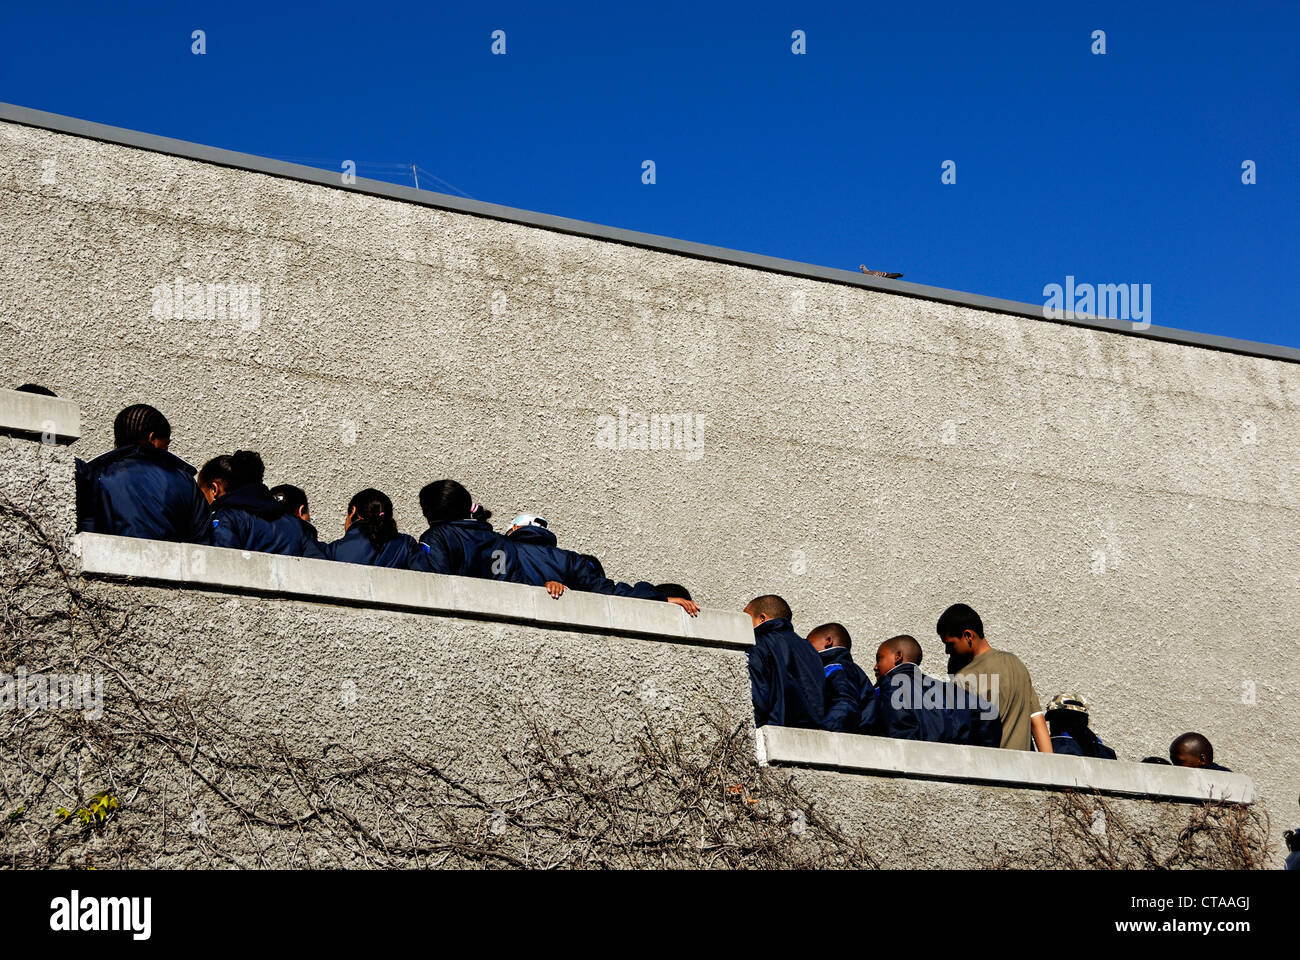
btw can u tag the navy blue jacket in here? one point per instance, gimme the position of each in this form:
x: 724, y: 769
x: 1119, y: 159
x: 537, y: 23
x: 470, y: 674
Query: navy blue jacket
x: 1293, y: 860
x: 539, y: 559
x: 251, y: 519
x: 140, y: 491
x: 845, y: 683
x: 908, y: 704
x: 403, y: 552
x: 1064, y: 743
x: 310, y: 531
x: 786, y: 678
x: 470, y: 548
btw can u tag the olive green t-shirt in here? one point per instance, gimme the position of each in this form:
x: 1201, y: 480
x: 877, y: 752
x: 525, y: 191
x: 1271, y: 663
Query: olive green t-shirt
x: 1012, y: 692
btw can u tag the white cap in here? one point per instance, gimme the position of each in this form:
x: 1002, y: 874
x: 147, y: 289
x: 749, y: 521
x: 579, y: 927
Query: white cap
x: 529, y: 520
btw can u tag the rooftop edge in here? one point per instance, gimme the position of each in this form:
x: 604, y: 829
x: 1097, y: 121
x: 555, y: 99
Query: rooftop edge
x: 72, y: 126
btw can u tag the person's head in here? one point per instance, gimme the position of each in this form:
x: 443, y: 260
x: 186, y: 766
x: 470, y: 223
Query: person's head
x: 1066, y: 712
x: 228, y: 472
x: 371, y: 512
x: 674, y: 591
x: 1292, y: 839
x: 445, y: 500
x: 1191, y: 750
x: 294, y: 500
x: 37, y: 389
x: 830, y: 635
x: 896, y: 651
x: 527, y: 520
x: 141, y: 424
x: 768, y: 607
x: 962, y: 632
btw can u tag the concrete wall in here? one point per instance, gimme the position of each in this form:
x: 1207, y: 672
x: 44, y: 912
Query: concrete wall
x: 1121, y: 511
x: 333, y: 658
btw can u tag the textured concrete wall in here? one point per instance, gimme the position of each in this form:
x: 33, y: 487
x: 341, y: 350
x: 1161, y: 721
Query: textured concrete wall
x: 1122, y: 512
x: 463, y: 695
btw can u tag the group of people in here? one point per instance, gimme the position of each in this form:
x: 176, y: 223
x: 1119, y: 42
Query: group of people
x: 140, y: 489
x: 989, y: 702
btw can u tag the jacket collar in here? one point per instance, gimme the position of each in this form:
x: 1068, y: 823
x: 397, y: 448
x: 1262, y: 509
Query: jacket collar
x: 254, y: 498
x: 774, y: 625
x: 535, y: 535
x: 142, y: 451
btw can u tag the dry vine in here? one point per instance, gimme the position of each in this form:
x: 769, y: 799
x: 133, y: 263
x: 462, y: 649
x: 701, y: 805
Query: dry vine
x: 168, y: 775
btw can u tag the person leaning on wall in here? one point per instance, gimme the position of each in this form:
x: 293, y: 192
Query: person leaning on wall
x: 244, y: 514
x: 140, y: 488
x: 996, y: 675
x: 1067, y: 719
x: 370, y: 536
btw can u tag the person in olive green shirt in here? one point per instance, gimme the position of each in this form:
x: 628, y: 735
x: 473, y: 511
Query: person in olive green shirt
x: 997, y: 676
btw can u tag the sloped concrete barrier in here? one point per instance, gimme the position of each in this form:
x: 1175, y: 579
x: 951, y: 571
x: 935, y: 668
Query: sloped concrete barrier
x: 38, y: 417
x: 192, y: 565
x: 877, y: 756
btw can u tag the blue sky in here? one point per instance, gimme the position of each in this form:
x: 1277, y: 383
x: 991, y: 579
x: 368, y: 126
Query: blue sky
x: 1120, y: 168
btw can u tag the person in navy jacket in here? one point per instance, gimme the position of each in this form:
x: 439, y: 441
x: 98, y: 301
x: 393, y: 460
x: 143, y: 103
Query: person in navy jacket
x: 539, y: 561
x: 1067, y: 719
x: 244, y: 514
x: 910, y: 705
x: 371, y: 537
x: 139, y: 489
x: 846, y: 682
x: 786, y: 678
x: 1194, y: 750
x: 460, y: 540
x: 295, y: 501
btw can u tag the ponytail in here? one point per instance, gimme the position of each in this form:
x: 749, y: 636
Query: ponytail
x: 445, y: 500
x: 374, y: 516
x: 240, y: 469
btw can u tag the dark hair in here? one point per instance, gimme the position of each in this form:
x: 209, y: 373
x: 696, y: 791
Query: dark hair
x: 1155, y: 760
x: 137, y: 422
x: 838, y: 633
x: 596, y: 565
x: 957, y: 619
x: 374, y: 516
x: 293, y: 498
x: 36, y: 388
x: 1196, y: 743
x: 671, y: 590
x: 240, y: 469
x: 908, y: 646
x: 770, y: 606
x: 445, y: 500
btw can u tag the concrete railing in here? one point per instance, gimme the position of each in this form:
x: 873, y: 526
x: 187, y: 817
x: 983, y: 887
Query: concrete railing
x: 877, y: 756
x: 39, y: 417
x: 195, y: 566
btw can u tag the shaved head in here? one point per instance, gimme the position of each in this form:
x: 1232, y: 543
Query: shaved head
x: 768, y: 607
x: 830, y: 635
x: 906, y: 647
x: 1191, y: 750
x: 896, y: 651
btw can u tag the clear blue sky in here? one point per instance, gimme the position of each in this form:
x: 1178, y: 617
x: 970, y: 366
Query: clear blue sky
x: 1117, y: 168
